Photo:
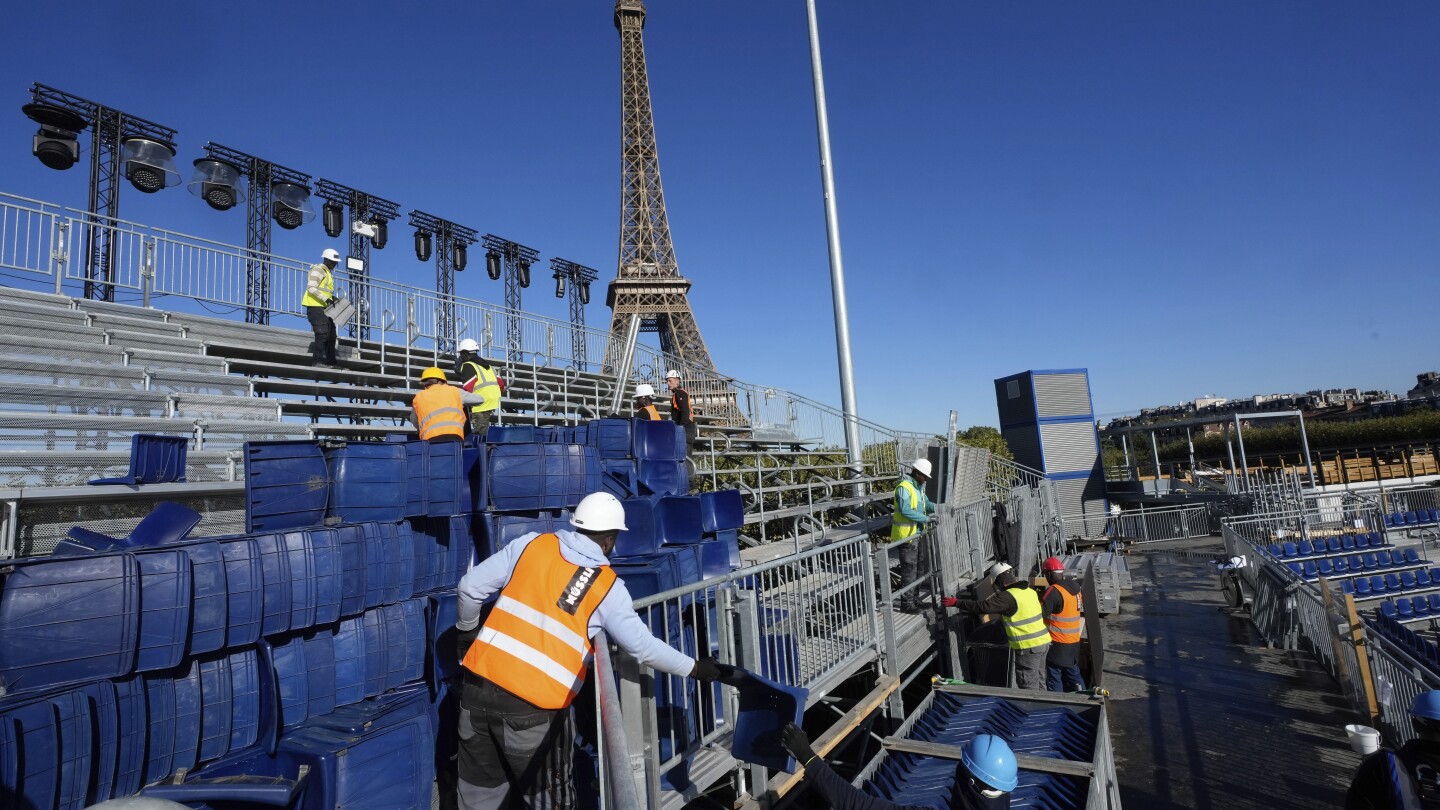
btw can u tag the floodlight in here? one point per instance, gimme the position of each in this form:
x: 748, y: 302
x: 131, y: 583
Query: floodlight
x: 522, y: 268
x: 149, y: 164
x: 381, y: 235
x: 585, y: 293
x: 492, y: 264
x: 218, y: 183
x: 365, y: 229
x: 422, y: 245
x: 458, y: 255
x: 291, y: 205
x: 332, y: 215
x: 559, y: 286
x: 56, y: 143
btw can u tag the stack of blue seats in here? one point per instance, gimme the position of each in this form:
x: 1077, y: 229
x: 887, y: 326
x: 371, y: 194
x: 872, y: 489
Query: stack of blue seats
x: 953, y: 720
x: 1389, y: 621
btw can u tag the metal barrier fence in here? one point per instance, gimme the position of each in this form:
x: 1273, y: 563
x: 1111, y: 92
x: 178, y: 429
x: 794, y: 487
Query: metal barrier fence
x: 1146, y: 525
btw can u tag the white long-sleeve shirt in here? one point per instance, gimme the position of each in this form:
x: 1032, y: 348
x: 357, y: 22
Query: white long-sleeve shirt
x: 615, y: 615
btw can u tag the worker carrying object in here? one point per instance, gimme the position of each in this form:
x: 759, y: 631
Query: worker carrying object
x: 524, y: 664
x: 1019, y: 607
x: 985, y: 776
x: 438, y: 411
x: 645, y: 403
x: 1410, y: 777
x: 912, y: 510
x: 319, y: 294
x: 481, y: 380
x: 682, y: 411
x: 1063, y: 615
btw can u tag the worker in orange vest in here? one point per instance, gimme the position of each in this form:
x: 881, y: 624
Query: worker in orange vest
x: 1061, y: 603
x: 645, y: 403
x: 438, y: 411
x: 523, y: 665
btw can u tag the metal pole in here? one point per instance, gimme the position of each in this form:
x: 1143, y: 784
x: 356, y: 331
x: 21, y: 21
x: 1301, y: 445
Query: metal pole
x: 1155, y: 453
x: 622, y: 372
x: 1240, y: 437
x: 1305, y: 444
x: 1125, y: 445
x: 1190, y: 440
x: 837, y: 266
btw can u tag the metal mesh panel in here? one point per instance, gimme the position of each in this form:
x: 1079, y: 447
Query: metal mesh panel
x: 20, y: 347
x: 41, y: 525
x: 61, y: 432
x: 231, y: 435
x: 156, y: 342
x: 61, y: 469
x: 77, y: 400
x: 176, y: 362
x: 184, y: 382
x: 29, y: 372
x: 236, y: 409
x: 971, y: 472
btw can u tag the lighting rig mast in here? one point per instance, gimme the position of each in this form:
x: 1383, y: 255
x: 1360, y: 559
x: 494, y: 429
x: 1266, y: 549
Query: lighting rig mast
x: 368, y: 225
x: 451, y: 242
x: 518, y: 259
x: 144, y: 150
x: 275, y: 192
x: 579, y: 277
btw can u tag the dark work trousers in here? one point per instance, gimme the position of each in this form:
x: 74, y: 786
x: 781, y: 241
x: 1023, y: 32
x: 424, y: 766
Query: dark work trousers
x: 911, y: 556
x: 479, y: 420
x: 323, y: 348
x: 1030, y: 667
x: 1062, y: 665
x: 513, y: 754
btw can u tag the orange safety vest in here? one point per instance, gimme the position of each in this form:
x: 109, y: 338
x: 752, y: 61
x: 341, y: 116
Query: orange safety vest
x: 650, y: 413
x: 536, y: 642
x: 439, y: 411
x: 1065, y: 625
x: 677, y: 414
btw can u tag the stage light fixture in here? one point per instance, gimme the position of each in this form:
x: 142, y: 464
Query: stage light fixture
x: 149, y: 164
x: 56, y: 143
x: 422, y: 245
x: 585, y: 293
x: 522, y: 268
x: 382, y: 235
x: 458, y: 255
x: 218, y: 183
x: 291, y: 205
x: 559, y: 286
x: 332, y: 215
x: 492, y: 264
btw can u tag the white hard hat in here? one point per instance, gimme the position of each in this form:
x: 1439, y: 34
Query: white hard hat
x: 672, y: 374
x: 644, y: 390
x: 599, y: 512
x: 331, y: 254
x: 469, y: 345
x: 922, y: 466
x: 999, y: 568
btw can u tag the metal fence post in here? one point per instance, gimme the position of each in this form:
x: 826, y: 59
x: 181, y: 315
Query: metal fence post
x: 59, y: 252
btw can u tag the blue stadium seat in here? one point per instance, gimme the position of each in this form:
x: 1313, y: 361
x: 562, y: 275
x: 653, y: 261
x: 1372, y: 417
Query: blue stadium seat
x: 1290, y: 549
x: 1412, y: 556
x: 1376, y: 540
x: 1310, y: 570
x: 1362, y: 541
x: 1392, y: 582
x: 1377, y: 584
x: 1347, y: 542
x: 1357, y: 562
x: 165, y: 594
x: 1411, y: 519
x: 1420, y: 606
x: 1362, y: 587
x: 1346, y: 586
x: 1435, y: 576
x: 1435, y: 603
x: 1407, y: 581
x: 167, y: 523
x: 1325, y: 567
x: 1304, y: 549
x: 1342, y: 565
x: 1332, y: 544
x: 1404, y: 609
x: 153, y: 460
x: 1387, y: 609
x: 1371, y: 563
x: 1276, y: 550
x: 1297, y: 568
x: 1383, y: 559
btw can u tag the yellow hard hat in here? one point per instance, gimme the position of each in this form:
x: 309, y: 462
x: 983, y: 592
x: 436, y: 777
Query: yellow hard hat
x: 432, y: 373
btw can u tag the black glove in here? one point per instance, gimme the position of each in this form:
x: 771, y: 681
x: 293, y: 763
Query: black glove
x: 793, y: 738
x: 464, y: 639
x: 706, y: 670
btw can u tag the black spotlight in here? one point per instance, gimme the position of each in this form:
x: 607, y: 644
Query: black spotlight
x: 492, y: 264
x: 333, y: 217
x: 149, y: 165
x: 218, y: 183
x: 55, y: 144
x: 382, y: 235
x: 559, y: 286
x: 291, y: 205
x: 523, y: 268
x: 458, y: 255
x: 585, y: 293
x: 422, y: 245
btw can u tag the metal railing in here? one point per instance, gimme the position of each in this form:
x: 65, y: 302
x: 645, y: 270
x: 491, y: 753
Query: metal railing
x: 1144, y: 525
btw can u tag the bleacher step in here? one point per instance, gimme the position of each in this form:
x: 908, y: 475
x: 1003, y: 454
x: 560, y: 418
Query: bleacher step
x: 156, y: 342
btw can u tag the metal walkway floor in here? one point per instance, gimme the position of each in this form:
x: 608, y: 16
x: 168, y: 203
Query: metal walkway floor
x: 1202, y: 714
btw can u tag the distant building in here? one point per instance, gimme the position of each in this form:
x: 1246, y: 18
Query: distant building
x: 1427, y: 385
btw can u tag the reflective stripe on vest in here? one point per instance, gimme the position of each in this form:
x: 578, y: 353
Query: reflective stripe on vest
x: 439, y: 412
x: 1026, y: 629
x: 486, y: 387
x: 326, y: 285
x: 650, y: 413
x: 535, y: 643
x: 902, y: 527
x: 1065, y: 625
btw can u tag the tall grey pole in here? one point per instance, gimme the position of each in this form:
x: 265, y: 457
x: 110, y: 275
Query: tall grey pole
x: 1305, y: 444
x: 1190, y: 440
x: 1125, y: 445
x: 1155, y: 454
x: 837, y: 265
x: 1240, y: 439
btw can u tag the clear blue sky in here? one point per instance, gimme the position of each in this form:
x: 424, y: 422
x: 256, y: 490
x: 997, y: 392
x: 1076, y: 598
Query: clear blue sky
x: 1186, y: 198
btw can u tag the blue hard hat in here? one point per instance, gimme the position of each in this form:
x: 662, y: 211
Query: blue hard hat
x: 1426, y: 705
x: 990, y: 760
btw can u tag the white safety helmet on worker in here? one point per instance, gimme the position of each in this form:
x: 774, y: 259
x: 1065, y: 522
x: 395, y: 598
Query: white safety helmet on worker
x: 922, y: 466
x: 672, y: 375
x: 599, y: 512
x: 469, y: 345
x: 644, y: 390
x: 330, y: 255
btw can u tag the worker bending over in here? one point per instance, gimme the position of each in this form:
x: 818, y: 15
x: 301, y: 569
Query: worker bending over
x: 1408, y: 778
x: 438, y: 411
x: 1061, y: 603
x: 479, y: 378
x: 1025, y: 631
x: 524, y: 664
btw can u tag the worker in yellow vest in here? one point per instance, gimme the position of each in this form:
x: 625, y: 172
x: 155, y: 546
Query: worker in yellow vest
x: 1018, y: 606
x: 645, y: 403
x: 319, y: 292
x: 526, y: 661
x: 1061, y: 603
x: 477, y: 377
x: 438, y: 411
x: 912, y: 509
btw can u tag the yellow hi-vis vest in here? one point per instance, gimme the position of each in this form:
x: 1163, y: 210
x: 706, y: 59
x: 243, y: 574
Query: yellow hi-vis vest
x: 1026, y: 629
x: 327, y: 286
x: 902, y: 527
x: 439, y: 412
x: 486, y: 387
x: 535, y: 643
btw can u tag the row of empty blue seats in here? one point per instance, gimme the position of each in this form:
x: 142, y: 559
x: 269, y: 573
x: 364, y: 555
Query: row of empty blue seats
x: 1355, y: 563
x: 1416, y: 645
x: 1333, y: 545
x: 1378, y: 585
x: 1414, y: 607
x: 1417, y: 517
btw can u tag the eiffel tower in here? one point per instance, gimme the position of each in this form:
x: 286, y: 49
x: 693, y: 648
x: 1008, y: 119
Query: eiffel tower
x: 648, y: 282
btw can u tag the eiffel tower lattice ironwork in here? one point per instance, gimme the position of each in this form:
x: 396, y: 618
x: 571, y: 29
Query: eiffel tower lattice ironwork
x: 648, y: 282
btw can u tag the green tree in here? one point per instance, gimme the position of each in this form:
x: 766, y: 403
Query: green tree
x: 986, y: 438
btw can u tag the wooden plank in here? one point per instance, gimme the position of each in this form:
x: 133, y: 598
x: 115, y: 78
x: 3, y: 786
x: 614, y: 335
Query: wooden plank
x: 1362, y: 653
x: 1067, y: 698
x: 782, y: 783
x: 1066, y: 767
